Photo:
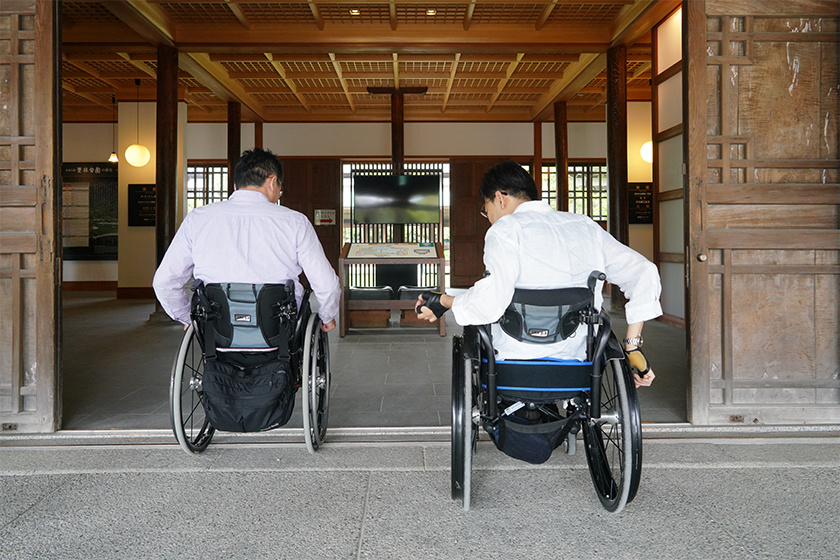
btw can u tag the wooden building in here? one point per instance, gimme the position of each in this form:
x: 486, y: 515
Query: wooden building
x: 745, y: 98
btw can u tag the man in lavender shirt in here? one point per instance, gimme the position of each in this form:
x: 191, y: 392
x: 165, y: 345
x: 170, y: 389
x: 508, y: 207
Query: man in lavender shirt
x: 248, y: 238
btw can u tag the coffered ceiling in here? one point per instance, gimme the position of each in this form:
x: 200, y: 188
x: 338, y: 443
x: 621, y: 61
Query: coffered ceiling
x: 314, y: 61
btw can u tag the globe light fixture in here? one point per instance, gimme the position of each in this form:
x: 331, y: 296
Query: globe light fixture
x: 647, y: 152
x: 137, y: 154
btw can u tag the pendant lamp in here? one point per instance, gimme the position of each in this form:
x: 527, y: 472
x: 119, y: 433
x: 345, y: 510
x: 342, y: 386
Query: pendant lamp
x: 137, y: 154
x: 114, y: 158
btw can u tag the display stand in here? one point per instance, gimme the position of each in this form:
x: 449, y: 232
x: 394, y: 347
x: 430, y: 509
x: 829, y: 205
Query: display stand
x: 386, y: 253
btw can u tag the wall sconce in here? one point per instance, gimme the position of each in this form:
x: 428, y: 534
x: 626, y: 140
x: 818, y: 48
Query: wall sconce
x: 647, y: 152
x: 113, y: 157
x: 137, y: 154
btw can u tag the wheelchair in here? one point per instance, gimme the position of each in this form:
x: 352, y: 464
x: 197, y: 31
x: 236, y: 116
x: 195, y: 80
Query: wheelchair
x: 530, y: 407
x: 272, y: 327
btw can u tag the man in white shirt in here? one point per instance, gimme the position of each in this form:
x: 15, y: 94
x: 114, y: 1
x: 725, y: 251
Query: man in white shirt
x: 529, y: 245
x: 248, y: 238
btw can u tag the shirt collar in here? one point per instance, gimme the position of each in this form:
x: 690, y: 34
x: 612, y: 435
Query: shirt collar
x: 533, y: 206
x: 248, y: 196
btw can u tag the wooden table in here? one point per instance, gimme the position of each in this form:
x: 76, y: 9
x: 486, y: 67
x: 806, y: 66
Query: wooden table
x: 386, y: 253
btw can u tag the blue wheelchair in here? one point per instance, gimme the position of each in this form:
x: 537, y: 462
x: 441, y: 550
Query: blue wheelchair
x: 241, y: 361
x: 531, y: 407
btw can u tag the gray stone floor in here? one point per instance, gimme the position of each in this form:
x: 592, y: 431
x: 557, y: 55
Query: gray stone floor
x: 757, y: 499
x: 116, y: 369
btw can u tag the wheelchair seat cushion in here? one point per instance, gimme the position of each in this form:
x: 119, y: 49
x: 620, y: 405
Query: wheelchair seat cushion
x: 545, y: 316
x: 542, y: 380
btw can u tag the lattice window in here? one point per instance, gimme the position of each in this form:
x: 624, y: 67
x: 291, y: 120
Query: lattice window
x: 206, y: 183
x: 588, y: 189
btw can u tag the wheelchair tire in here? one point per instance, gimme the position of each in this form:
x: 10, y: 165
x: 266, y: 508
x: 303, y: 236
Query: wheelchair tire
x: 315, y: 384
x: 613, y: 443
x: 463, y: 430
x: 191, y: 427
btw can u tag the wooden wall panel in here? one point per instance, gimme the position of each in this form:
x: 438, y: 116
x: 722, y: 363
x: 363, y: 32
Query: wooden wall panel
x: 467, y: 226
x: 315, y: 183
x: 764, y: 211
x: 29, y: 242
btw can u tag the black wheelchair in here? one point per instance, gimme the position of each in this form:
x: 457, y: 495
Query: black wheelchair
x: 243, y: 358
x: 530, y: 407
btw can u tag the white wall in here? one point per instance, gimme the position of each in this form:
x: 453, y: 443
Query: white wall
x: 91, y: 142
x: 638, y: 170
x: 586, y: 140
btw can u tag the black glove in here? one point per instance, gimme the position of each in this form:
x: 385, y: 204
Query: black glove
x: 638, y: 361
x: 432, y: 301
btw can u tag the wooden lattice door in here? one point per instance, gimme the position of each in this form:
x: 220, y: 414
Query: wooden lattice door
x: 29, y: 245
x: 763, y: 211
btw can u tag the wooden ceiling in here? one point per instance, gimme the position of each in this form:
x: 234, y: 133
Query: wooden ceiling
x: 313, y: 61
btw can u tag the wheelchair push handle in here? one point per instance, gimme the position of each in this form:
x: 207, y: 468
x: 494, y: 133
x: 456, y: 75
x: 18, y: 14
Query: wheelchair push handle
x: 594, y: 277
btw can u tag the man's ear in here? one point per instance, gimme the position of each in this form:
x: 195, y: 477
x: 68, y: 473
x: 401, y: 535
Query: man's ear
x: 501, y: 198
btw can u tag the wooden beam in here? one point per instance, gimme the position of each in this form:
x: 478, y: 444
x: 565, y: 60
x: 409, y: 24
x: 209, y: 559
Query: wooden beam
x: 545, y: 14
x: 214, y: 76
x: 577, y: 76
x: 469, y: 15
x: 453, y: 70
x: 144, y: 18
x: 316, y: 13
x: 503, y: 82
x: 343, y: 82
x: 233, y: 6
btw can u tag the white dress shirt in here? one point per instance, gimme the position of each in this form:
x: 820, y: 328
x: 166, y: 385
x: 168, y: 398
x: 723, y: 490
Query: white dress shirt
x: 536, y: 247
x: 245, y: 239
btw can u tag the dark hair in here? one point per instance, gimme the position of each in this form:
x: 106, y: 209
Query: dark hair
x: 510, y: 177
x: 254, y: 167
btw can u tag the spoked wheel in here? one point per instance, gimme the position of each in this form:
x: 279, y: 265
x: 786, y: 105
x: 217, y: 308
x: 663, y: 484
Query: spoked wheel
x: 464, y: 431
x: 613, y: 442
x: 191, y: 427
x: 315, y: 384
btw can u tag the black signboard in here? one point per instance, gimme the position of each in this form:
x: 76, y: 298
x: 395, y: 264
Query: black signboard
x: 89, y: 201
x: 640, y: 205
x: 141, y: 205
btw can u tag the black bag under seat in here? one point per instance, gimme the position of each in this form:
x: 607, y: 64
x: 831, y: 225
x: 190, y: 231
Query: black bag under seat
x: 249, y: 399
x: 527, y: 441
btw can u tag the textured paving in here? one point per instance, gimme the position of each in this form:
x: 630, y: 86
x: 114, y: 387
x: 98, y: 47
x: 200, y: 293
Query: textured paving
x: 699, y: 499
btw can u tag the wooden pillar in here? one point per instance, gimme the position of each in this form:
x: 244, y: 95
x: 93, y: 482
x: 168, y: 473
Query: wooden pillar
x: 258, y: 135
x: 397, y: 132
x: 234, y: 139
x: 537, y: 165
x: 618, y: 219
x: 167, y: 148
x: 561, y: 154
x: 617, y: 142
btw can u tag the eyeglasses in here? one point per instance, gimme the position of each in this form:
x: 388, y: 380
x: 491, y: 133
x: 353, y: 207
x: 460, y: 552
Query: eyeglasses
x: 483, y: 210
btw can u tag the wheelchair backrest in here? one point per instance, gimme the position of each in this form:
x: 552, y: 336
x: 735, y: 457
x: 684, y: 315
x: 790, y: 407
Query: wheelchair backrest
x: 546, y: 316
x: 247, y: 317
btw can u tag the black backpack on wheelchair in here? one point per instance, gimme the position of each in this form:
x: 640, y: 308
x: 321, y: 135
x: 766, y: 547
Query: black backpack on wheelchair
x: 249, y: 383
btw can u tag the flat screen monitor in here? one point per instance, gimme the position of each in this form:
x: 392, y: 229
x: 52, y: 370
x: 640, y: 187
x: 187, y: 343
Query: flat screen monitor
x: 396, y: 199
